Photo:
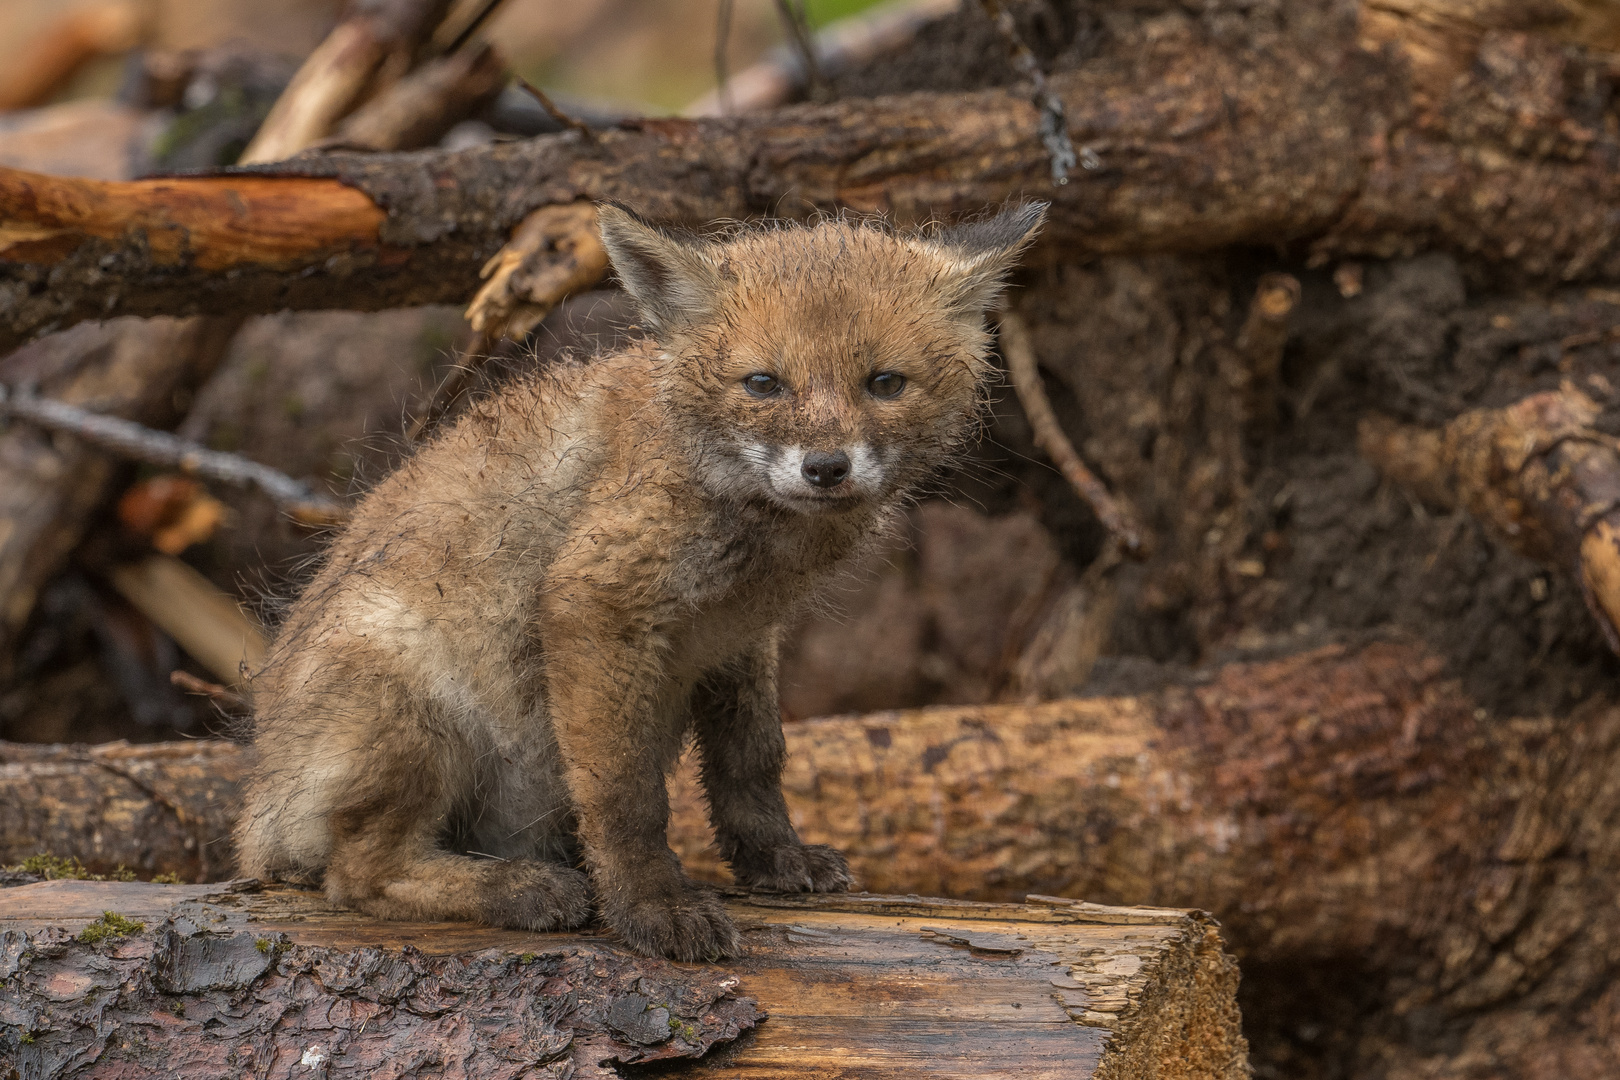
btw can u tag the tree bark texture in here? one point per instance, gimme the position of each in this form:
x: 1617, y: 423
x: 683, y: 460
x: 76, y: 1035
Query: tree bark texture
x: 202, y: 982
x: 1348, y: 813
x: 1538, y: 472
x: 1323, y: 139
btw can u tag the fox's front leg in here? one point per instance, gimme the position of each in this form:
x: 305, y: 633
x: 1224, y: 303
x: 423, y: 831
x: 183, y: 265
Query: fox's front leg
x: 738, y: 722
x: 618, y: 734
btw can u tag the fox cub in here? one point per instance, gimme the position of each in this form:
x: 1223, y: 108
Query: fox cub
x: 471, y: 710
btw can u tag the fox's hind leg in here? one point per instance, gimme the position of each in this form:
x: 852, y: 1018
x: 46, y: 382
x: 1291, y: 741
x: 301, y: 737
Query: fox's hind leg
x: 390, y: 782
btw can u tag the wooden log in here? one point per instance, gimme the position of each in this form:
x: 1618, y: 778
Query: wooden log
x: 1339, y: 810
x: 1198, y: 145
x: 207, y: 981
x: 1537, y: 472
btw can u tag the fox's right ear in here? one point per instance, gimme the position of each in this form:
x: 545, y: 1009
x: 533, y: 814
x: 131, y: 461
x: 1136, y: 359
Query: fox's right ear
x: 671, y: 280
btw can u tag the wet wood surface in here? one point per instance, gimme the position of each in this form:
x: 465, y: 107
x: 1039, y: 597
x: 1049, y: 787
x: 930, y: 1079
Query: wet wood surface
x: 265, y: 980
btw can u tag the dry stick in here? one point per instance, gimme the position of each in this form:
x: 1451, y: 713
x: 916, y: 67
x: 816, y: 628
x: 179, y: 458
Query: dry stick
x: 142, y: 443
x: 1026, y: 379
x: 1263, y: 340
x: 1054, y: 122
x: 473, y: 24
x: 226, y: 699
x: 556, y: 113
x: 722, y: 38
x: 798, y: 31
x: 468, y: 364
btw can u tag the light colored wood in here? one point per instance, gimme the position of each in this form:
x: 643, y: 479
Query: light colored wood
x: 902, y: 985
x: 212, y: 223
x: 208, y: 624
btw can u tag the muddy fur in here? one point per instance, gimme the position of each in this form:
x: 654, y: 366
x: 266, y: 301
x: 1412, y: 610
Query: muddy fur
x: 471, y: 711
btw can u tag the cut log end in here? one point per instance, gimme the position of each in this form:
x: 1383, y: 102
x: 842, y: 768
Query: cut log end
x: 133, y: 974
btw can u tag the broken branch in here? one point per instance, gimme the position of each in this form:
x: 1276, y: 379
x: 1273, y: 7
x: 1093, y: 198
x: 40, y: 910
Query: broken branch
x: 1184, y: 168
x: 1537, y: 472
x: 132, y: 440
x: 1019, y: 353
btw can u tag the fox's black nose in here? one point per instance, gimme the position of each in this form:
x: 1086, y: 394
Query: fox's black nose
x: 825, y: 470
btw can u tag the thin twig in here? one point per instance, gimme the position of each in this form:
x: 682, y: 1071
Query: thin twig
x: 798, y: 31
x: 722, y: 39
x: 473, y: 24
x: 132, y: 440
x: 468, y: 364
x: 553, y: 111
x: 1054, y: 123
x: 227, y: 699
x: 1026, y: 379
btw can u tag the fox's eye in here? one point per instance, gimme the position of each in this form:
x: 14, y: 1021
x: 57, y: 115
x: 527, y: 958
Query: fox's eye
x: 761, y: 385
x: 886, y: 384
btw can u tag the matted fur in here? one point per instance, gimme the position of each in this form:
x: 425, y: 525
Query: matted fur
x: 486, y: 684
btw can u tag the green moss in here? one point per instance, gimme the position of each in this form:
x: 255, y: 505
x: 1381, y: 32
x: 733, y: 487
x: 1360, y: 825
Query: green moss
x: 264, y: 945
x: 110, y: 926
x: 26, y: 1038
x: 51, y: 868
x: 171, y: 878
x: 527, y: 958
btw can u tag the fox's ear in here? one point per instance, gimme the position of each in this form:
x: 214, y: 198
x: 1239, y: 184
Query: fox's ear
x: 672, y: 282
x: 979, y: 254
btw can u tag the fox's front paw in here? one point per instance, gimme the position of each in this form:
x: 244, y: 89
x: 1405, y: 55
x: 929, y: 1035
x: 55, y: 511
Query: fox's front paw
x: 682, y: 921
x: 795, y: 868
x: 526, y: 894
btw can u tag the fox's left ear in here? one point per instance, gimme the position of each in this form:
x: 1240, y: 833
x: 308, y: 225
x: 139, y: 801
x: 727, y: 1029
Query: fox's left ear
x: 978, y: 255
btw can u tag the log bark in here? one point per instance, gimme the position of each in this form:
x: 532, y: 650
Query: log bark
x: 1344, y: 812
x: 1315, y: 140
x: 1537, y: 472
x: 201, y: 982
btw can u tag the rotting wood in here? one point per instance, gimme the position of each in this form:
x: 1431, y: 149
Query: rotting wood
x: 1537, y: 472
x: 908, y: 986
x: 156, y: 809
x: 1198, y: 147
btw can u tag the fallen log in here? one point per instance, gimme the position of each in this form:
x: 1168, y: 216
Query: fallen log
x: 1312, y: 139
x: 104, y: 977
x: 1537, y: 472
x: 1345, y: 813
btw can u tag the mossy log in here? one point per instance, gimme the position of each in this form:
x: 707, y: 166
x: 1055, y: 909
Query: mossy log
x: 131, y: 979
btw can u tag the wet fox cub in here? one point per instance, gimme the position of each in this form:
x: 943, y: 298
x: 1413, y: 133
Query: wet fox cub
x: 483, y: 689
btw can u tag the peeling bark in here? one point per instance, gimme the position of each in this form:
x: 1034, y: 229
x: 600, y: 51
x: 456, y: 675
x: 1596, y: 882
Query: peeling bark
x: 103, y: 979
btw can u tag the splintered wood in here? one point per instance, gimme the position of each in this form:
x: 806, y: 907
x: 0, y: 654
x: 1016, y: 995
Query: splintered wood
x: 103, y: 978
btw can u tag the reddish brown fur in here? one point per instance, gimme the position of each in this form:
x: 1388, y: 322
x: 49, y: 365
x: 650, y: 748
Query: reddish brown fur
x: 499, y: 662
